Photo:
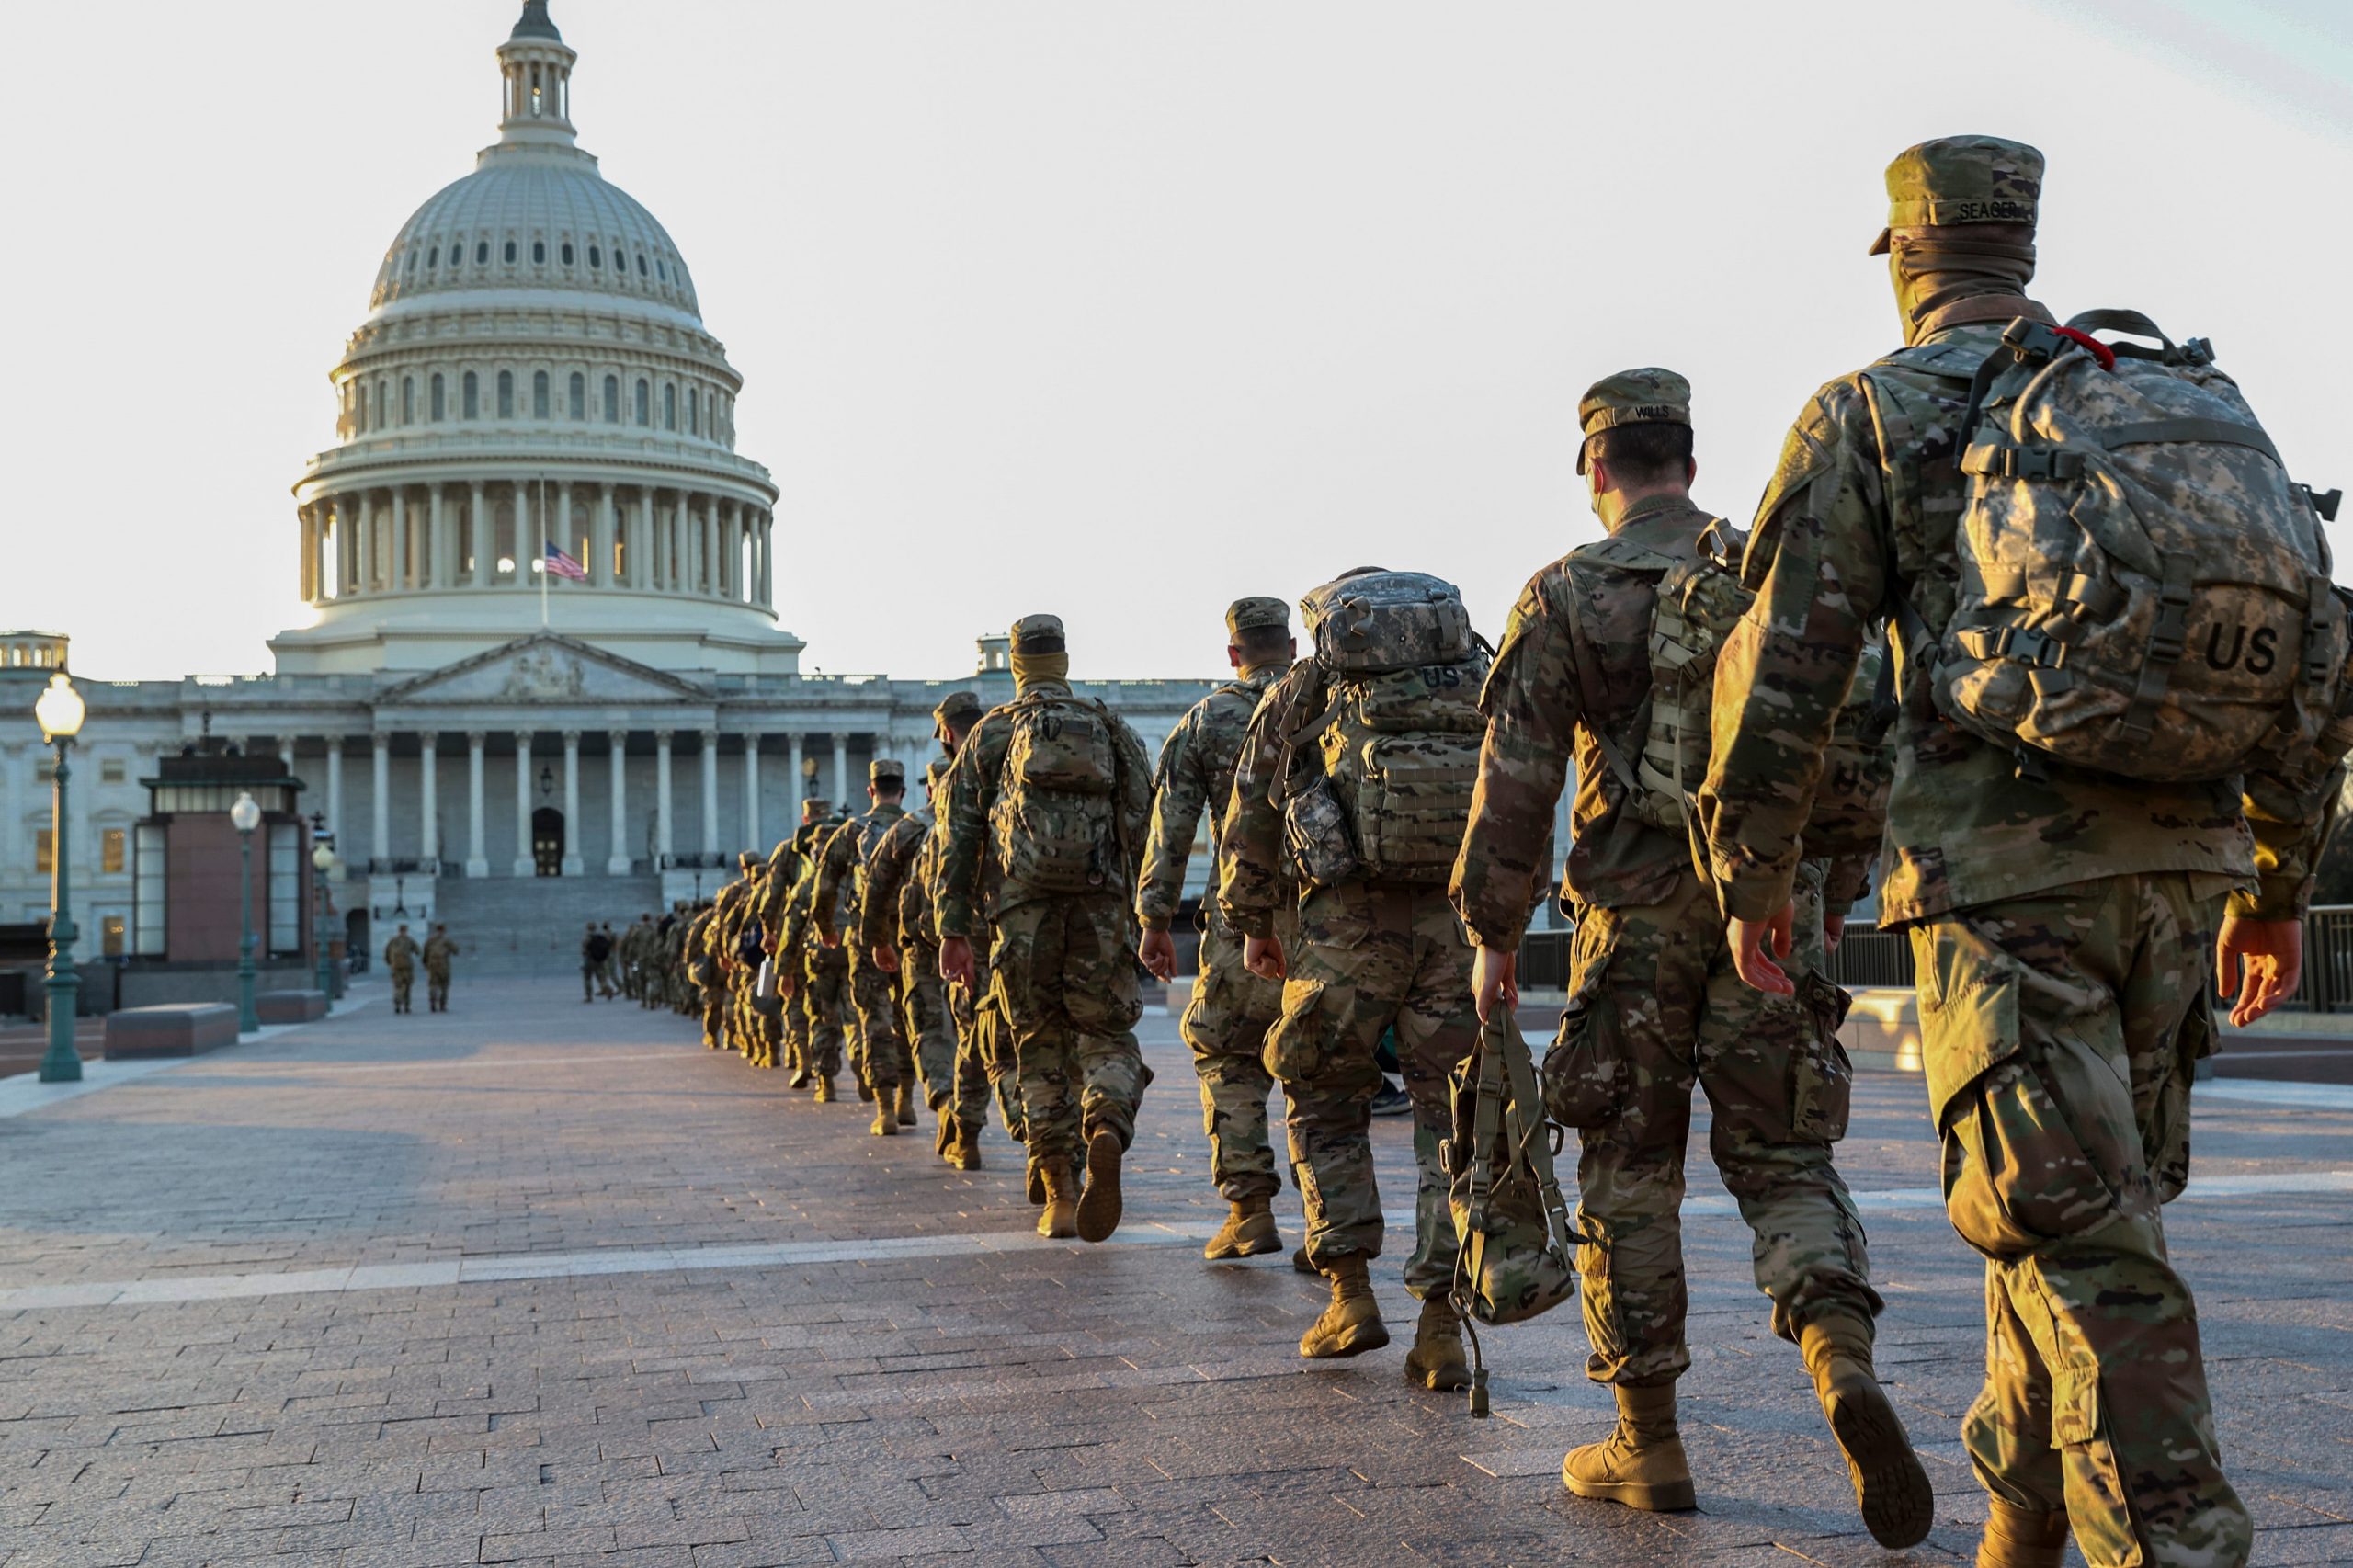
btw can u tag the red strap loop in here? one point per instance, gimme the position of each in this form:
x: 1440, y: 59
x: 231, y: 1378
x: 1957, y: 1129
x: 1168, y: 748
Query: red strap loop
x: 2100, y: 351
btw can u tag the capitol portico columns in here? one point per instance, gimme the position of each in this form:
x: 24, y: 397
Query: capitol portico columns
x: 661, y: 845
x: 617, y: 864
x: 800, y: 780
x: 334, y: 783
x: 428, y: 755
x: 477, y: 859
x: 752, y: 837
x: 600, y: 565
x: 523, y: 866
x: 572, y: 861
x: 477, y: 534
x: 841, y: 769
x: 709, y: 793
x: 379, y: 843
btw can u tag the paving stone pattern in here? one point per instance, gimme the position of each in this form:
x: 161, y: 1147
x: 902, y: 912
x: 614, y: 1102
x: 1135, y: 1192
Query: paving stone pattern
x: 966, y: 1395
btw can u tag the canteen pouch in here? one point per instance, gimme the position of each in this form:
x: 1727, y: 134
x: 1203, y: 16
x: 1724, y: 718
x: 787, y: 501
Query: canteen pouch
x: 1821, y: 1078
x: 1296, y: 1046
x: 1586, y: 1078
x: 1517, y: 1256
x: 1316, y: 832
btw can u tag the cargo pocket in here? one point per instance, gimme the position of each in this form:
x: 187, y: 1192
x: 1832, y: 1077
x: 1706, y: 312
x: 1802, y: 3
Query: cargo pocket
x: 1585, y: 1078
x: 2165, y: 1141
x: 2078, y: 1430
x: 2016, y: 1175
x: 1296, y: 1047
x: 1821, y: 1078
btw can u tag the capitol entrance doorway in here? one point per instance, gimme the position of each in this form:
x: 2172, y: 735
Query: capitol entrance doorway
x: 547, y: 842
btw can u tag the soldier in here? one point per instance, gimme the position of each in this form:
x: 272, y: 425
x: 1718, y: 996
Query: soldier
x: 782, y: 1024
x: 680, y: 988
x: 608, y: 972
x: 1226, y: 1021
x: 438, y: 951
x: 592, y: 960
x: 1063, y: 787
x: 895, y: 930
x: 732, y: 967
x: 817, y: 974
x: 1653, y: 1000
x: 1382, y: 809
x: 874, y: 991
x: 983, y: 1060
x: 706, y: 971
x: 400, y: 960
x: 632, y: 957
x: 2065, y: 923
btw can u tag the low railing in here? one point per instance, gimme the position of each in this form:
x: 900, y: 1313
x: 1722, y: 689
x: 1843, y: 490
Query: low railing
x: 697, y: 860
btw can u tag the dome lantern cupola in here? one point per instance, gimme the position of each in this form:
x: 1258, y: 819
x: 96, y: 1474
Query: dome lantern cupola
x: 535, y: 68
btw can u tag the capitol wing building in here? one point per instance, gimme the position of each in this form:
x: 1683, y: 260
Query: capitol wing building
x: 507, y: 748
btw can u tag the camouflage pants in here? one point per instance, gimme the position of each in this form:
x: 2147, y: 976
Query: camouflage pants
x: 824, y: 976
x: 404, y: 977
x: 1062, y: 974
x: 1225, y: 1024
x: 881, y: 1046
x: 1369, y: 958
x: 1654, y: 1004
x: 930, y: 1033
x: 436, y: 987
x: 714, y: 1014
x: 980, y: 1062
x: 2060, y: 1032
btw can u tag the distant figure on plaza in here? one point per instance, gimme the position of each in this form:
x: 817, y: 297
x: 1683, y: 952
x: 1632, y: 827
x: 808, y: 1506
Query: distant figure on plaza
x: 594, y: 949
x: 608, y: 970
x: 400, y: 957
x: 438, y: 951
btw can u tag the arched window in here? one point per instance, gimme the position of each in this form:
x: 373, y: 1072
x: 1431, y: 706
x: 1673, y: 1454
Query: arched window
x: 612, y: 400
x: 641, y: 264
x: 539, y: 253
x: 408, y: 400
x: 669, y: 405
x: 482, y: 253
x: 433, y: 398
x: 470, y: 397
x: 506, y: 395
x: 567, y: 252
x: 410, y: 268
x: 596, y: 256
x: 578, y: 403
x: 510, y: 253
x: 359, y: 412
x: 620, y: 262
x: 644, y: 402
x: 694, y: 411
x: 661, y: 269
x: 538, y: 394
x: 383, y: 401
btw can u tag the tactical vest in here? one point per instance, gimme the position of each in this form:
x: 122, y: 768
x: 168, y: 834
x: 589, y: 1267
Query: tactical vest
x: 1055, y: 825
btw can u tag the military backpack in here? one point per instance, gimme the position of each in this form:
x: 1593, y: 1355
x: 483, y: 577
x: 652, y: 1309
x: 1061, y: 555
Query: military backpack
x: 2143, y: 590
x: 1055, y: 825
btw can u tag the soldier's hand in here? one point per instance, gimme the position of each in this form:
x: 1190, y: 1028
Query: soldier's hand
x: 956, y: 960
x: 1756, y: 943
x: 1834, y: 931
x: 787, y: 983
x: 2262, y: 959
x: 886, y: 958
x: 1157, y: 952
x: 1263, y: 956
x: 1494, y: 977
x: 831, y: 938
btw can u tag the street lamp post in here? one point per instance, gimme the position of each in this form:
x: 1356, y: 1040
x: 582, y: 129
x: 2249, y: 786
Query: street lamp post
x: 322, y: 856
x: 245, y: 816
x: 60, y: 710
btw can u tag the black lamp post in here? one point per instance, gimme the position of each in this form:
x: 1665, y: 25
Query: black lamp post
x: 60, y: 710
x: 245, y: 816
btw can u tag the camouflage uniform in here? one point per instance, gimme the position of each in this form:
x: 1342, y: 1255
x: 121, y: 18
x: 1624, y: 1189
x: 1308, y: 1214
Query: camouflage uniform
x: 983, y: 1059
x: 2063, y: 923
x: 1225, y: 1022
x: 438, y: 951
x: 400, y: 962
x: 820, y: 985
x: 1653, y: 1001
x: 878, y: 1045
x: 1062, y: 965
x: 894, y: 910
x: 739, y: 974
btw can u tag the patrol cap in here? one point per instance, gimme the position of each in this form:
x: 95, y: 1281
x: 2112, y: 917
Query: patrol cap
x: 957, y: 705
x: 748, y: 861
x: 937, y: 770
x: 1961, y: 179
x: 887, y: 770
x: 1647, y: 396
x: 1037, y: 634
x: 1256, y: 614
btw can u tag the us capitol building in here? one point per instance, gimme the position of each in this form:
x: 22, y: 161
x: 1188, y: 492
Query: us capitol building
x: 533, y: 370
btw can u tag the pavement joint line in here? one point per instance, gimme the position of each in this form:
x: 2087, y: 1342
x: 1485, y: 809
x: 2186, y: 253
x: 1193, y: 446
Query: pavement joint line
x: 171, y: 1289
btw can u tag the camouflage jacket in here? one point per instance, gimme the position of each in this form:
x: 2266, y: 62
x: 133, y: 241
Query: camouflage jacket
x: 692, y: 938
x: 1857, y: 526
x: 438, y: 951
x: 1195, y: 776
x: 1551, y: 693
x: 842, y: 860
x: 790, y: 929
x: 400, y: 952
x: 892, y: 882
x: 975, y: 785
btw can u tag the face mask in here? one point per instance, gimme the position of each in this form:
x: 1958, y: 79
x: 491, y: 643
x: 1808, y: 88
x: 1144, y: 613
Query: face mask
x: 1940, y: 268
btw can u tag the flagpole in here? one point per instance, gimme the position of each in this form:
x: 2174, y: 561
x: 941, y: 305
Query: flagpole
x: 542, y: 484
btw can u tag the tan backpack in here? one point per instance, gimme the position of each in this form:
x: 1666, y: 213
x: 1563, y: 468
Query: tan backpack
x: 1056, y: 823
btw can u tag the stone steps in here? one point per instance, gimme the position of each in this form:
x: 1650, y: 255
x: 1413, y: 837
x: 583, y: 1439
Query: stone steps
x: 533, y: 925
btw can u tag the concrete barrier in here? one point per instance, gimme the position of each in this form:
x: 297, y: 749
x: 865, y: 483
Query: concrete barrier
x: 171, y: 1028
x: 290, y: 1007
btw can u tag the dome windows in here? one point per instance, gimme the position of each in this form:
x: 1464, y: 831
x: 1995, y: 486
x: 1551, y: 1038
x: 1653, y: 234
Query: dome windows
x: 596, y: 257
x: 661, y: 269
x: 433, y: 259
x: 641, y: 264
x: 576, y: 400
x: 612, y: 400
x: 482, y: 253
x: 408, y: 400
x: 644, y: 404
x: 567, y: 252
x: 435, y: 404
x: 538, y: 394
x: 510, y: 253
x: 539, y: 253
x: 694, y: 411
x: 472, y: 396
x: 669, y: 405
x: 506, y: 395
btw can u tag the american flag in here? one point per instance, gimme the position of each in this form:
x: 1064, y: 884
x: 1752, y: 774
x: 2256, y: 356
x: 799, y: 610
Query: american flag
x: 564, y: 565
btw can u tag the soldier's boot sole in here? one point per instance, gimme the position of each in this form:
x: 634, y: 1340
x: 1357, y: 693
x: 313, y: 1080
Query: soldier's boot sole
x: 1099, y: 1205
x: 1059, y: 1220
x: 1347, y: 1328
x: 1891, y: 1490
x: 1600, y: 1470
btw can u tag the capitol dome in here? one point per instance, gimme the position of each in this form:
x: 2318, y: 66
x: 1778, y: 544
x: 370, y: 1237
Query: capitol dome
x: 534, y: 421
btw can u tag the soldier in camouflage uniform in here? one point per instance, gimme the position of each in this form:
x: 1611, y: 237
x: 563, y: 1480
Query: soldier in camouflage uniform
x: 834, y: 908
x: 816, y: 976
x: 400, y: 962
x: 1653, y: 1002
x: 736, y: 938
x: 1063, y: 962
x: 983, y: 1060
x: 2065, y: 924
x: 438, y: 951
x: 680, y: 991
x: 700, y: 974
x: 895, y: 928
x: 1226, y: 1021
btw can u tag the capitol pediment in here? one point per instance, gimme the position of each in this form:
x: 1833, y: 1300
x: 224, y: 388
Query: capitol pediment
x: 544, y: 669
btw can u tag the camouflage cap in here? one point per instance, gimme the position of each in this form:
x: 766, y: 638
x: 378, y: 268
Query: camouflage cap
x: 1037, y: 634
x: 958, y: 705
x: 748, y: 861
x: 936, y: 770
x: 887, y: 770
x: 1961, y: 179
x: 1256, y: 614
x: 1647, y: 396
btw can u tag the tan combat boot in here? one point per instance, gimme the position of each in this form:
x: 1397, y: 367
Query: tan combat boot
x: 1640, y: 1463
x: 1436, y: 1361
x: 943, y: 1137
x: 1060, y: 1218
x: 886, y: 1125
x: 906, y: 1102
x: 964, y: 1152
x: 864, y: 1088
x: 825, y: 1091
x: 1891, y: 1488
x: 1035, y: 1191
x: 1248, y: 1230
x: 1099, y: 1207
x: 1351, y: 1325
x: 2021, y: 1537
x: 1301, y: 1263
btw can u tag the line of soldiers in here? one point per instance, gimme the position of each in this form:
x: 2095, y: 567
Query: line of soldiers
x: 401, y: 955
x: 1748, y: 746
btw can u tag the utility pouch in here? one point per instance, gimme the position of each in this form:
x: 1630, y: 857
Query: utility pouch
x: 1315, y: 833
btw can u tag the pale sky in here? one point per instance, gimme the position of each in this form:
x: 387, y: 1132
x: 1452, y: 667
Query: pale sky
x: 1113, y: 308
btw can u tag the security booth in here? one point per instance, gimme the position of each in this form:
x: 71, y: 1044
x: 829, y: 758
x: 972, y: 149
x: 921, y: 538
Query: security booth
x: 189, y: 859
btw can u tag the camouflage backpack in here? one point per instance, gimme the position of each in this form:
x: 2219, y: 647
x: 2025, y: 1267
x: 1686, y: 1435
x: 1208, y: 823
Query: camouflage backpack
x: 2143, y: 590
x: 1699, y: 598
x: 1398, y: 738
x: 1055, y: 825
